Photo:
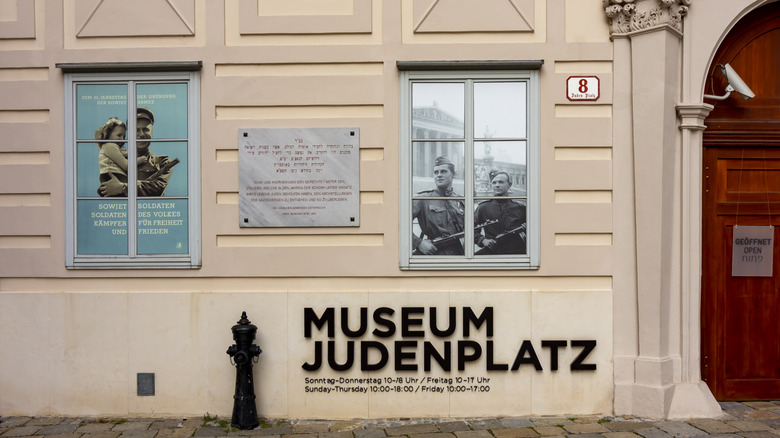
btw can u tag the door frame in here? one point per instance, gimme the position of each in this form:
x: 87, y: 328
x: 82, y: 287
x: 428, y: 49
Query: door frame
x: 724, y: 132
x: 705, y: 28
x: 693, y: 187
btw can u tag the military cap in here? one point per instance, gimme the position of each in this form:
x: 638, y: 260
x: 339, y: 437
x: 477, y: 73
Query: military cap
x: 442, y: 160
x: 494, y: 173
x: 145, y: 113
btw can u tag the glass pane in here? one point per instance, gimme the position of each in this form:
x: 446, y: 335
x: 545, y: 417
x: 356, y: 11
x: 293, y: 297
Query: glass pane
x: 102, y: 227
x: 492, y: 157
x: 95, y: 165
x: 437, y: 110
x: 501, y: 226
x: 167, y: 108
x: 164, y: 170
x: 426, y: 156
x: 95, y: 105
x: 499, y: 110
x: 163, y: 226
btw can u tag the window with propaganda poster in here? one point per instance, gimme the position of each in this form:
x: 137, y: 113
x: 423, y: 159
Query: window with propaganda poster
x: 132, y: 165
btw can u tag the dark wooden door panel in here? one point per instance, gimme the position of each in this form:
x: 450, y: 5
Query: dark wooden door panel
x: 741, y: 315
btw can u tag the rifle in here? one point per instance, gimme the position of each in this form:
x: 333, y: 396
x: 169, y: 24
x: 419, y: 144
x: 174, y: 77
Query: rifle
x: 449, y: 239
x: 520, y: 230
x: 164, y: 168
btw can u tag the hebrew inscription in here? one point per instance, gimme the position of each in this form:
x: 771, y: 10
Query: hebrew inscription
x: 299, y: 177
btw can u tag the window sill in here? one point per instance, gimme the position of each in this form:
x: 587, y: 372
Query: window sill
x: 134, y: 264
x: 442, y: 264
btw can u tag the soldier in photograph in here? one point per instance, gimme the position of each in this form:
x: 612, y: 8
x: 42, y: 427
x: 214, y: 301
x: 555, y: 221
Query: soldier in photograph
x: 439, y: 219
x: 507, y: 235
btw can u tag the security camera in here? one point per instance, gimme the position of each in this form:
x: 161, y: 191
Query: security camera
x: 735, y: 83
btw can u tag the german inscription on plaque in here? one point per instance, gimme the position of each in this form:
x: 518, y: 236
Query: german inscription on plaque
x: 299, y: 177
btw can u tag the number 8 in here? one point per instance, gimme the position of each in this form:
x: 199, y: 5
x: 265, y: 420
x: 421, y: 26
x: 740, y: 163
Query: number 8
x: 583, y: 86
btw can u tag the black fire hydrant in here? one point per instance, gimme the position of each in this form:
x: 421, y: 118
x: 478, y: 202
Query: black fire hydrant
x: 242, y: 353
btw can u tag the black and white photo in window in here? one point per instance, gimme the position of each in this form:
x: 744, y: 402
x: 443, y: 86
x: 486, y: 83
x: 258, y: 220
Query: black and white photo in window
x: 469, y: 170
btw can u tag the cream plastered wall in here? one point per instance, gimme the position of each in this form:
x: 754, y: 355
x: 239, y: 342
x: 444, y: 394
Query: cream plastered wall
x: 85, y: 349
x: 319, y: 64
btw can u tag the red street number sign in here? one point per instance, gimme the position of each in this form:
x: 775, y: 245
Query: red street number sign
x: 582, y: 88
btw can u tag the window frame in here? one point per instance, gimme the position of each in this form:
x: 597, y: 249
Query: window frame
x: 524, y: 71
x: 132, y: 74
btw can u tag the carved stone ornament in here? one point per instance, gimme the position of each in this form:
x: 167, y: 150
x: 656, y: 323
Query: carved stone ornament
x: 627, y: 16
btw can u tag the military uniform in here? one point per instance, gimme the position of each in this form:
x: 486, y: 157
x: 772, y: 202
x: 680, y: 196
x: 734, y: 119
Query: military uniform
x: 153, y: 186
x: 146, y: 184
x: 510, y: 214
x: 438, y: 217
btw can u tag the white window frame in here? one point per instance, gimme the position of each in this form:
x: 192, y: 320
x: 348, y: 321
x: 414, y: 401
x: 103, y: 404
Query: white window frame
x: 75, y: 74
x: 527, y: 71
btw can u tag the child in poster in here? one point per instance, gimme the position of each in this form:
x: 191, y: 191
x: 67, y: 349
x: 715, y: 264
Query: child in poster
x: 113, y: 155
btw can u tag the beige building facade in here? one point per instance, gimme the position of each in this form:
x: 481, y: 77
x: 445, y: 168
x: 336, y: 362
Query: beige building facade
x: 599, y: 314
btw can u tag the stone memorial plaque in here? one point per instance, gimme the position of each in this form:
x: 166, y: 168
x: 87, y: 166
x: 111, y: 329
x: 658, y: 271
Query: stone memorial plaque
x: 752, y: 251
x: 299, y: 177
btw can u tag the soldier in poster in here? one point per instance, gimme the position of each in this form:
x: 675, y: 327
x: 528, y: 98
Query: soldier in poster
x: 439, y: 219
x: 154, y: 171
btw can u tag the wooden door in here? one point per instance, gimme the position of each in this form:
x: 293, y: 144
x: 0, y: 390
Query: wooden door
x: 741, y: 314
x: 741, y: 186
